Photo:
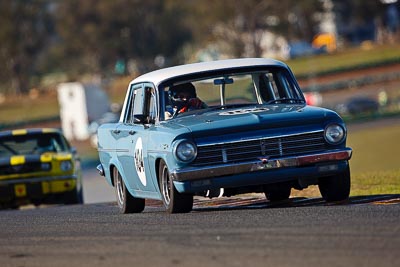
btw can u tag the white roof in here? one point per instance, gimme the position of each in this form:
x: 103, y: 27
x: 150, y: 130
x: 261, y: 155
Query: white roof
x: 161, y: 75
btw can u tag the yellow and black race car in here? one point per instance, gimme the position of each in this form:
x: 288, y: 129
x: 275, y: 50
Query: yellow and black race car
x: 38, y: 166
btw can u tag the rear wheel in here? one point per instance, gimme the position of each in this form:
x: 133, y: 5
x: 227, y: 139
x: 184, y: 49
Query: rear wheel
x: 174, y: 201
x: 126, y: 202
x: 336, y: 187
x: 277, y: 192
x: 73, y: 197
x: 9, y: 205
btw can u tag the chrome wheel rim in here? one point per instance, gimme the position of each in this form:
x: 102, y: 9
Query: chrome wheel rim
x: 119, y: 187
x: 166, y: 185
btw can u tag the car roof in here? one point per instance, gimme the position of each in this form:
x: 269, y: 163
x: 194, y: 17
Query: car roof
x: 158, y: 76
x: 28, y: 131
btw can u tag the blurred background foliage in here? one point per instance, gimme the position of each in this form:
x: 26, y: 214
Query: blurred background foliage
x: 43, y: 42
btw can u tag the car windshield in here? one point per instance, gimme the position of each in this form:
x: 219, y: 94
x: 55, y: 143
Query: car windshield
x: 31, y: 144
x: 261, y: 87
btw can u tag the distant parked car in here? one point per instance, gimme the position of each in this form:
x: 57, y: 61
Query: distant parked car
x: 302, y: 49
x: 219, y: 129
x: 358, y: 105
x: 38, y: 166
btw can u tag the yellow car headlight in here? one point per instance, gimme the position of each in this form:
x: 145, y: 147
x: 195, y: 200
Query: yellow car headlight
x: 45, y: 166
x: 66, y: 165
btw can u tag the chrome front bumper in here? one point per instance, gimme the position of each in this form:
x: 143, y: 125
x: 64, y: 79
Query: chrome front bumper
x: 262, y: 164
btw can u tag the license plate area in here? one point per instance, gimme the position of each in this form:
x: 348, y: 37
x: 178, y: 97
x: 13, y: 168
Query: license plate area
x: 33, y: 190
x: 20, y: 190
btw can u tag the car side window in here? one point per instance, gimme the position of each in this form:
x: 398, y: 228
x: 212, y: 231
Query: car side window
x: 152, y: 104
x: 138, y: 102
x: 277, y: 85
x: 129, y: 113
x: 141, y: 108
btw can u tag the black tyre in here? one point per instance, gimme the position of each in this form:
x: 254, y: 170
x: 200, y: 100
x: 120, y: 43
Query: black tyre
x: 37, y: 203
x: 336, y: 187
x: 9, y: 205
x: 174, y: 201
x: 126, y: 202
x: 73, y: 197
x: 277, y: 192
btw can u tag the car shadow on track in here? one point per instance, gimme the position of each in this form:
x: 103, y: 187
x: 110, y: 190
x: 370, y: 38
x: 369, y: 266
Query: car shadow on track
x: 256, y: 202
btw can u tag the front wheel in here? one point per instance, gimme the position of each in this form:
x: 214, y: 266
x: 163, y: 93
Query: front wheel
x: 174, y: 201
x: 126, y: 202
x: 336, y: 187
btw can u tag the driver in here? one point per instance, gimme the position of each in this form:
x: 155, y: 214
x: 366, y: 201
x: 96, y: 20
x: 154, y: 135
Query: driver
x: 184, y: 98
x: 44, y: 145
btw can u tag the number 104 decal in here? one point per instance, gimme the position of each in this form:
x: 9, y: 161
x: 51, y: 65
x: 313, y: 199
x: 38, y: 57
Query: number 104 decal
x: 139, y: 162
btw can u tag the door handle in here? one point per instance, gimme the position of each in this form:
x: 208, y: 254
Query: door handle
x: 132, y: 132
x: 116, y: 131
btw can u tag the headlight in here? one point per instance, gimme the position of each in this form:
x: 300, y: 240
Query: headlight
x: 45, y: 166
x: 334, y: 134
x: 65, y: 165
x: 185, y: 151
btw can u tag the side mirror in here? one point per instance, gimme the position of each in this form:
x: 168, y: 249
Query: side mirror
x: 74, y: 150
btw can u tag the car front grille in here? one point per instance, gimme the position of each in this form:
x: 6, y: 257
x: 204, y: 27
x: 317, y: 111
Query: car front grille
x: 271, y: 147
x: 23, y: 168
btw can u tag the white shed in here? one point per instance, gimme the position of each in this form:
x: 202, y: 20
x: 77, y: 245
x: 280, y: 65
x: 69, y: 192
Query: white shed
x: 80, y: 104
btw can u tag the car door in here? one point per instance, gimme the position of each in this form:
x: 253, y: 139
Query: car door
x: 133, y: 138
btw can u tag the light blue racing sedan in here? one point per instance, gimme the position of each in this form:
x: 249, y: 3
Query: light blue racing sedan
x: 221, y: 128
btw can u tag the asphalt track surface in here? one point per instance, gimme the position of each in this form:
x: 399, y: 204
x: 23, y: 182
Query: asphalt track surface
x: 237, y: 231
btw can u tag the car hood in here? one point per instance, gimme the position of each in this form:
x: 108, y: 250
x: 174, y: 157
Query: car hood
x: 253, y: 118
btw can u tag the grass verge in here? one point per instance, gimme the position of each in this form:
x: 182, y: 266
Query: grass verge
x: 347, y: 59
x: 374, y: 167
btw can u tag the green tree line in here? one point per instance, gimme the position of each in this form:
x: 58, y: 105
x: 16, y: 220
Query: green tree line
x: 74, y: 37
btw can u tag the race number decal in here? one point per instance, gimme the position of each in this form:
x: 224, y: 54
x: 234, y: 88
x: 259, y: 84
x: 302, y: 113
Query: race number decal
x: 139, y: 161
x: 244, y: 111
